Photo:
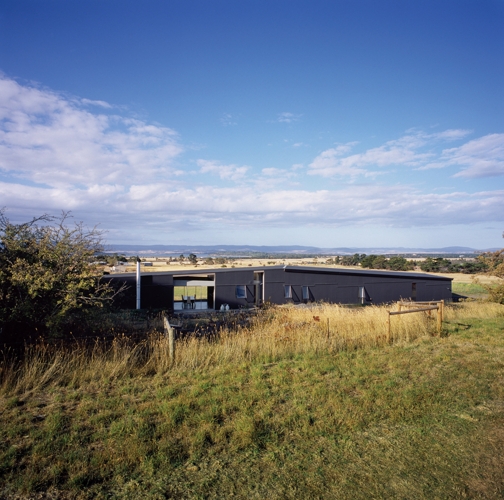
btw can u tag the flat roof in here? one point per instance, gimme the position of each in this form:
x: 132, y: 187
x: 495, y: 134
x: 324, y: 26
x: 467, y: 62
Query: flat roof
x: 290, y: 268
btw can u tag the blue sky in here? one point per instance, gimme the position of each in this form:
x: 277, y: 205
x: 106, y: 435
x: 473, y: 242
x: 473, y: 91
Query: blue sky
x: 326, y: 123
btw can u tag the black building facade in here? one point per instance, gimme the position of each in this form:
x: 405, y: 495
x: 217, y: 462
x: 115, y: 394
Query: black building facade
x: 247, y: 287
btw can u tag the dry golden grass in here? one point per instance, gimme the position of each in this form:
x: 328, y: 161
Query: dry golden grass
x: 162, y: 265
x: 275, y: 333
x: 289, y: 331
x: 473, y: 309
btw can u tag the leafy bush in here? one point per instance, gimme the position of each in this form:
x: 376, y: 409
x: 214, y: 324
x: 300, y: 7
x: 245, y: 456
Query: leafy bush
x: 47, y: 271
x: 494, y: 262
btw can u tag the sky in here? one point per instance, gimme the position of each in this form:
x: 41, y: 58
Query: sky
x: 342, y: 123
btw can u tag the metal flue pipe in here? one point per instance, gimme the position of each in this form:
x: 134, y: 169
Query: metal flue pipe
x: 138, y: 279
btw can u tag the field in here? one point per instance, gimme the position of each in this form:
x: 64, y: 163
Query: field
x: 303, y: 403
x: 160, y: 264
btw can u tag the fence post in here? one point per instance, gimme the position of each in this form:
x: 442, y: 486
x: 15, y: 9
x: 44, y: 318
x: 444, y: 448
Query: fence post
x: 439, y: 318
x: 168, y: 330
x: 388, y: 327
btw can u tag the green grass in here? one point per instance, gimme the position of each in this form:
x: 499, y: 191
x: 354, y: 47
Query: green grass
x: 469, y: 289
x: 415, y: 420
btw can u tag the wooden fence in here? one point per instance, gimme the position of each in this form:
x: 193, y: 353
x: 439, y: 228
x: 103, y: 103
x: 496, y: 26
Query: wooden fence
x: 414, y: 307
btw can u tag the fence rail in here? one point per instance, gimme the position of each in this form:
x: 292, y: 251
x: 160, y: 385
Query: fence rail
x: 426, y: 306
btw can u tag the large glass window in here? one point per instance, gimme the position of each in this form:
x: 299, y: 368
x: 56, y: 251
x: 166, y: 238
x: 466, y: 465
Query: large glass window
x: 241, y: 292
x: 190, y: 297
x: 306, y: 293
x: 288, y: 291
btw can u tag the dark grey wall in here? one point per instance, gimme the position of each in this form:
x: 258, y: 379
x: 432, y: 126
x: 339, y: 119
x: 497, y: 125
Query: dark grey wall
x: 337, y: 287
x: 225, y: 288
x: 156, y: 291
x: 344, y: 288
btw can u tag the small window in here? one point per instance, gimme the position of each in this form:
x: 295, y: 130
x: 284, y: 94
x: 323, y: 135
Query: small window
x: 413, y: 291
x: 241, y: 292
x: 288, y: 291
x: 306, y: 293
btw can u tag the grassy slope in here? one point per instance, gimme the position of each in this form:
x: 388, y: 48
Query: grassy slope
x: 415, y: 420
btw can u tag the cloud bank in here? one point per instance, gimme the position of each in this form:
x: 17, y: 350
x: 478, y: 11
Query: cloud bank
x: 59, y: 152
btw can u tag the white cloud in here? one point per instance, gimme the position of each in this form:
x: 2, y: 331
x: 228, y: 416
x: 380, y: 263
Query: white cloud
x: 272, y: 177
x: 90, y: 102
x: 272, y: 171
x: 399, y: 206
x: 482, y: 157
x: 452, y: 134
x: 329, y: 163
x: 397, y: 152
x: 226, y: 172
x: 479, y: 158
x: 288, y: 117
x: 49, y: 138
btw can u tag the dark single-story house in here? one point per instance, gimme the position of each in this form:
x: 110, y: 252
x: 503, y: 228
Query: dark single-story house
x: 234, y: 288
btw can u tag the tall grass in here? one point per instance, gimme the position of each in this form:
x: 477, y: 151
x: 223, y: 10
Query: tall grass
x: 276, y: 333
x: 289, y: 331
x: 473, y: 309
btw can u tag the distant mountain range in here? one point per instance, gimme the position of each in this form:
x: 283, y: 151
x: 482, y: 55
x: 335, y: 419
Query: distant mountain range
x: 287, y: 250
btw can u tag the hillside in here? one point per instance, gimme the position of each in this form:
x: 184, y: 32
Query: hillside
x: 281, y: 250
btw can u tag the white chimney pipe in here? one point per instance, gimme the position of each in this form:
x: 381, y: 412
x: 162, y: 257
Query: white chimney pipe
x: 138, y: 278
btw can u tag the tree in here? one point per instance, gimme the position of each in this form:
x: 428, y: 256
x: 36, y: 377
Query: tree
x: 398, y: 263
x: 495, y: 265
x: 368, y: 261
x: 47, y: 272
x: 436, y: 265
x: 193, y: 259
x: 354, y: 260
